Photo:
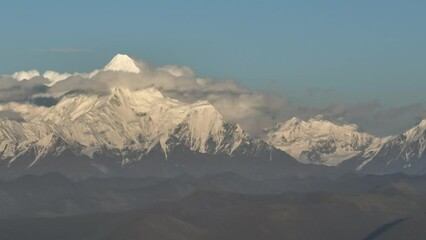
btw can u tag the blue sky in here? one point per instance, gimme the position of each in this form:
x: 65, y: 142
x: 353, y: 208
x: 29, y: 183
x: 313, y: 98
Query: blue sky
x: 314, y: 52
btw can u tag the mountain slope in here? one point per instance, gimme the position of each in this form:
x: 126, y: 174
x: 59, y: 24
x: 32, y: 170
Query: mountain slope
x: 404, y: 153
x: 139, y: 120
x: 123, y: 63
x: 320, y: 141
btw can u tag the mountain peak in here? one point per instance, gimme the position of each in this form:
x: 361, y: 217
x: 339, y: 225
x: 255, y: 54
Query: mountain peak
x: 122, y: 62
x: 295, y: 119
x: 321, y: 141
x: 423, y: 123
x: 290, y: 123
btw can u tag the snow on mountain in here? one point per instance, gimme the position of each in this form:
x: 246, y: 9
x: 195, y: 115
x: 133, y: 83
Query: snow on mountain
x: 123, y: 63
x: 321, y: 141
x: 123, y: 122
x: 17, y: 139
x: 404, y: 153
x: 204, y: 130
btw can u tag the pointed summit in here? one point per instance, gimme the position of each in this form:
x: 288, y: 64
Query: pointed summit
x: 423, y: 123
x: 290, y: 124
x: 122, y: 63
x: 294, y: 120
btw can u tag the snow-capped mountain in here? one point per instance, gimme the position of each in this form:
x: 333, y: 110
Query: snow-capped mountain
x: 321, y: 141
x: 404, y: 153
x: 118, y: 131
x: 139, y: 120
x: 118, y: 128
x: 18, y: 138
x: 124, y: 63
x: 124, y: 119
x: 124, y: 126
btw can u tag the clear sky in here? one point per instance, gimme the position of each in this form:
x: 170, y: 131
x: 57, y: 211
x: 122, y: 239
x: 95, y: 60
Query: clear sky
x: 314, y: 52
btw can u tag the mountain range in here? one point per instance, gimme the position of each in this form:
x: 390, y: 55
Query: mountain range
x: 142, y: 132
x: 321, y: 141
x: 106, y: 133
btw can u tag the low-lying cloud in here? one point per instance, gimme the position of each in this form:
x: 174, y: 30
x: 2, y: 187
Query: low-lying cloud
x: 11, y: 115
x: 253, y: 110
x: 25, y: 75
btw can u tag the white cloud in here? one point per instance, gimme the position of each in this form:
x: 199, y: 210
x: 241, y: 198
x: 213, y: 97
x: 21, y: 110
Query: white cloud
x: 178, y: 71
x: 52, y: 76
x: 55, y: 76
x: 25, y: 75
x: 253, y: 110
